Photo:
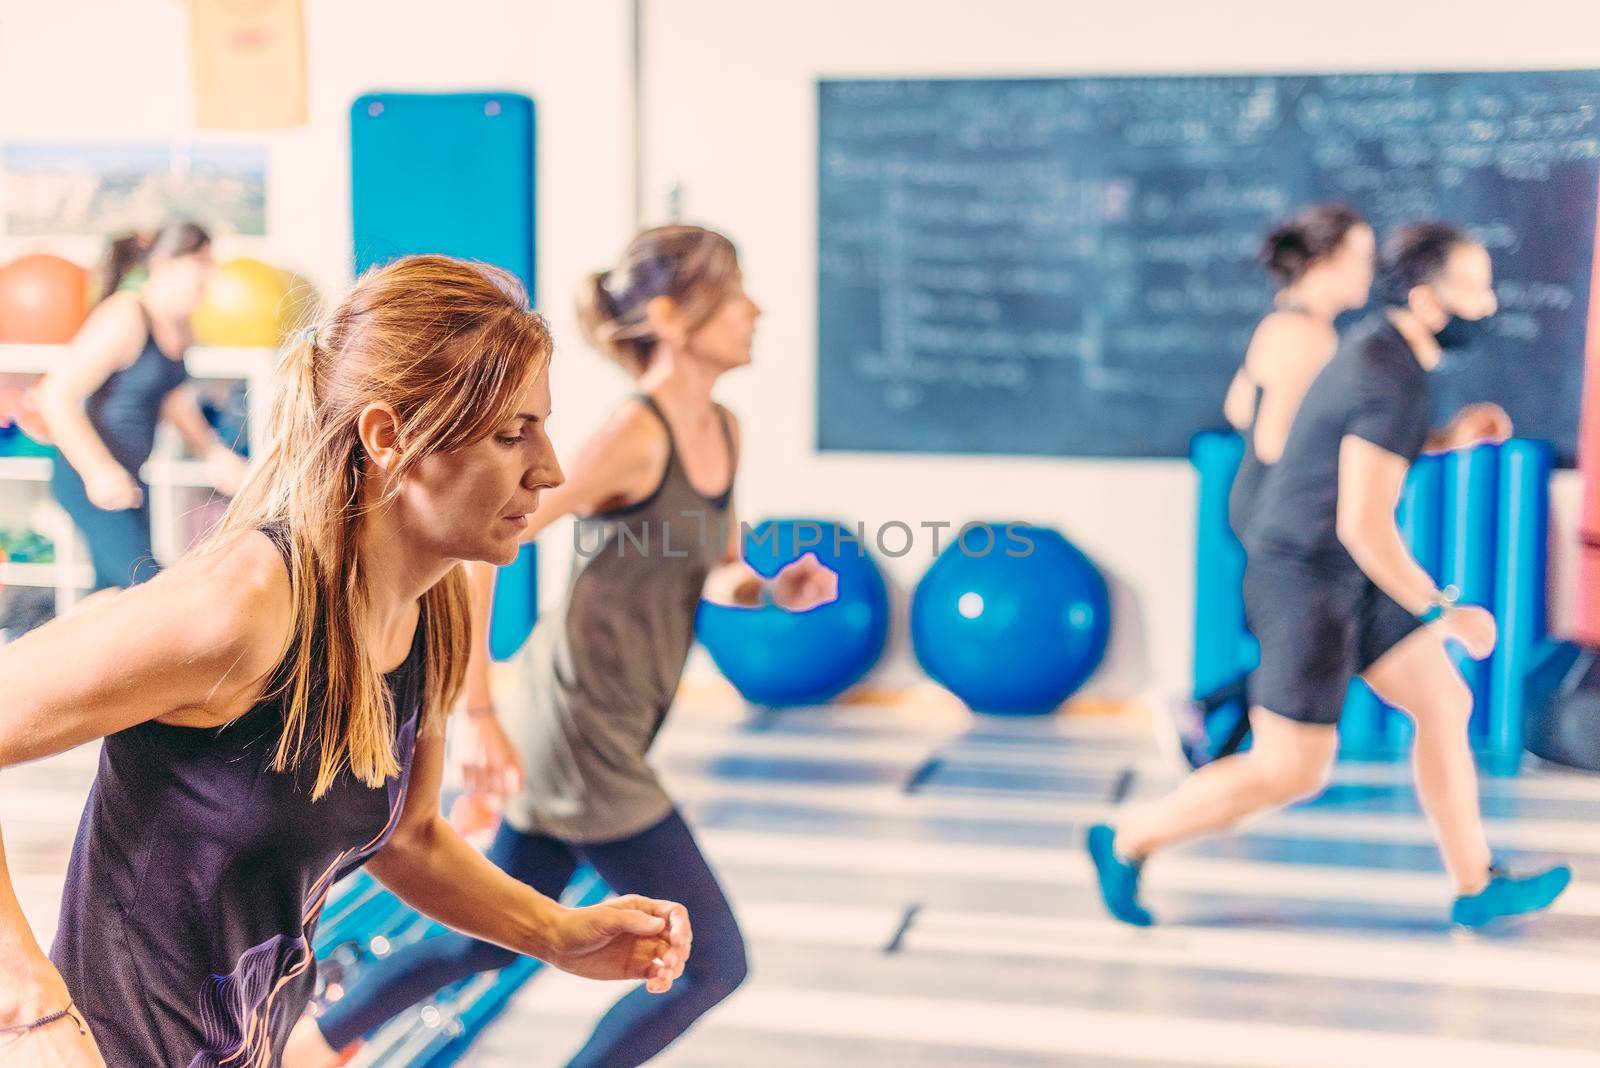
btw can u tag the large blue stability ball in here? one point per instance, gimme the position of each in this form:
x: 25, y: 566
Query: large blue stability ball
x: 781, y: 659
x: 1011, y: 618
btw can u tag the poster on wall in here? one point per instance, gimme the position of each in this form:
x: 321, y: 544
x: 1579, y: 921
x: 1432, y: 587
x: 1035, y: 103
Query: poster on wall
x: 63, y: 190
x: 249, y: 62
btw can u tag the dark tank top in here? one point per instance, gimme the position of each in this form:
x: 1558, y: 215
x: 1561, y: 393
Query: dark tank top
x: 197, y: 879
x: 1247, y: 482
x: 597, y: 676
x: 127, y: 407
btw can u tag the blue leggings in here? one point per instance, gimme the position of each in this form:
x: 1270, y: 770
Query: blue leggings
x: 663, y: 862
x: 119, y: 542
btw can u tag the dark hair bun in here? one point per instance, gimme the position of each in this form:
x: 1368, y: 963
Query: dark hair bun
x: 1285, y: 254
x: 1292, y: 247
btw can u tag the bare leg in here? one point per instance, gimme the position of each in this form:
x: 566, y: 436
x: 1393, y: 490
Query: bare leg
x: 1417, y: 676
x: 307, y: 1048
x: 1288, y: 761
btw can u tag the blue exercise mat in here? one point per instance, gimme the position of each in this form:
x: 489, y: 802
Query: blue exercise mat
x: 451, y: 173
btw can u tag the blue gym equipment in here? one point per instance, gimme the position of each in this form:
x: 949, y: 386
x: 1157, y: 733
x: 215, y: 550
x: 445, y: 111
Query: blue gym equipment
x: 447, y: 173
x: 1009, y: 630
x: 1477, y: 519
x: 782, y: 659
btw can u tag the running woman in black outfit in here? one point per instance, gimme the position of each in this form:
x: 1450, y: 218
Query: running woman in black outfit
x: 1321, y: 263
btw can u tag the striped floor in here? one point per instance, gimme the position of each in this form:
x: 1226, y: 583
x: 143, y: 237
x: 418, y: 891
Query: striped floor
x: 952, y: 923
x: 914, y: 894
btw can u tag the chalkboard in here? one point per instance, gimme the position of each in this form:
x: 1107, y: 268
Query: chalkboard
x: 1067, y: 266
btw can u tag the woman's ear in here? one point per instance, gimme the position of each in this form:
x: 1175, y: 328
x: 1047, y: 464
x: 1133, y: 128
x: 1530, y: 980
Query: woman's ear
x: 665, y: 322
x: 378, y: 427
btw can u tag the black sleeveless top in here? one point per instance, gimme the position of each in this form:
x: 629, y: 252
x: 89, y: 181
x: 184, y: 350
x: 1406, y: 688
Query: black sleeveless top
x: 197, y: 879
x: 126, y: 409
x: 1247, y: 481
x: 1251, y: 473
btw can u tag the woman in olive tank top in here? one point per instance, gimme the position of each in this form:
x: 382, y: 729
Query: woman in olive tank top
x: 653, y: 495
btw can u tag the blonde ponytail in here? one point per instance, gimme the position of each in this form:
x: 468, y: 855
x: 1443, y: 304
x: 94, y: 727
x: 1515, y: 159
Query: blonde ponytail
x: 693, y: 267
x: 450, y: 346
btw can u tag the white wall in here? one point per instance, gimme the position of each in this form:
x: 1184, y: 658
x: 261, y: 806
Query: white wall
x: 108, y: 71
x: 730, y: 113
x: 731, y: 116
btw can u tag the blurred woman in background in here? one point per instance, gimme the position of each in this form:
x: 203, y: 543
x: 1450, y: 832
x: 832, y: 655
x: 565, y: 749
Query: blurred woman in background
x: 1321, y: 265
x: 124, y: 373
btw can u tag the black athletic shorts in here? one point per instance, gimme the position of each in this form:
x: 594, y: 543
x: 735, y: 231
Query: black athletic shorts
x: 1319, y: 627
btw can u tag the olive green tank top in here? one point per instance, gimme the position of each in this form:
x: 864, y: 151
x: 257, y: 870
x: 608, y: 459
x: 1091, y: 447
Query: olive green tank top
x: 597, y: 676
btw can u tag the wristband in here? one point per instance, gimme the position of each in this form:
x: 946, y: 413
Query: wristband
x: 1441, y: 602
x: 45, y: 1021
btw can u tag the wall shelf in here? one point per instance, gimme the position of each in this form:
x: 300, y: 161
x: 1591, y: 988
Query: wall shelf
x: 80, y: 576
x: 169, y: 474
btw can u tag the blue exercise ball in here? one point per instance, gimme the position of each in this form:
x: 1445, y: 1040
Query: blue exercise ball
x: 781, y: 659
x: 1012, y: 619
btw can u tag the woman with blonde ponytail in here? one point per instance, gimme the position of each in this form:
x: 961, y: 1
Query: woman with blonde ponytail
x: 653, y: 494
x: 273, y: 706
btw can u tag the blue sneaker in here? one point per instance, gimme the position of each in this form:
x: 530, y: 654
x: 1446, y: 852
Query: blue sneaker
x: 1510, y: 895
x: 1119, y: 880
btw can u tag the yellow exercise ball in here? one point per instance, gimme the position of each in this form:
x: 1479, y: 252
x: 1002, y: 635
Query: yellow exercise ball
x: 247, y: 305
x: 303, y: 305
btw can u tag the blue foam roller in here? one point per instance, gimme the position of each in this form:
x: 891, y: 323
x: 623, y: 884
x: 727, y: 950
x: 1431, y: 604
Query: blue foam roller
x: 1471, y: 516
x: 1222, y: 649
x: 1521, y: 564
x: 1421, y: 519
x: 1367, y: 726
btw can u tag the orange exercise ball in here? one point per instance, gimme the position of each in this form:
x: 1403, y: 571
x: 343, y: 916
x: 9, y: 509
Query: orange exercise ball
x: 247, y: 304
x: 43, y: 300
